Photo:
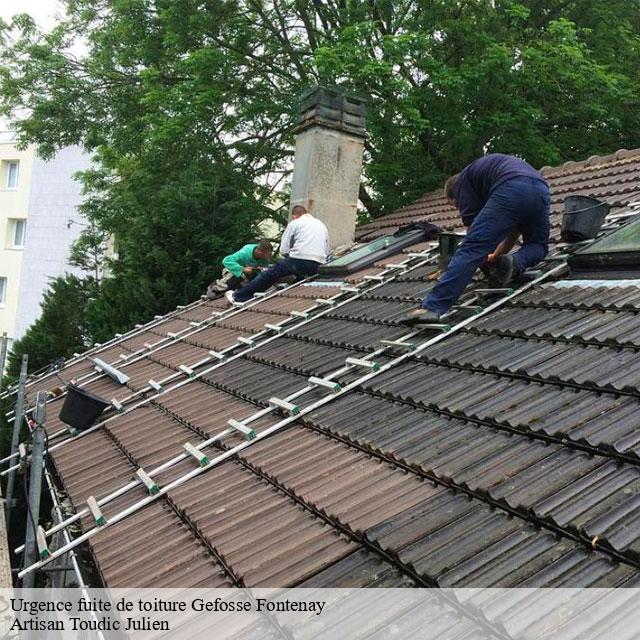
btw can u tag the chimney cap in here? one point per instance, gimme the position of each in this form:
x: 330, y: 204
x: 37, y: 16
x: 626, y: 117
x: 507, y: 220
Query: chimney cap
x: 332, y: 108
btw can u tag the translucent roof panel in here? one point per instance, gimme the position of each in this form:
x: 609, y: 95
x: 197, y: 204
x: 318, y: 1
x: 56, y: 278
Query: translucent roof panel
x: 627, y: 238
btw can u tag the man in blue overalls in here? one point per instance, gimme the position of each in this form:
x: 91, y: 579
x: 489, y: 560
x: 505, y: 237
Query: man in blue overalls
x: 500, y: 198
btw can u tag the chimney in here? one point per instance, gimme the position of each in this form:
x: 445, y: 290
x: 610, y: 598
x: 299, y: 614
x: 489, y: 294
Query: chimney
x: 326, y: 175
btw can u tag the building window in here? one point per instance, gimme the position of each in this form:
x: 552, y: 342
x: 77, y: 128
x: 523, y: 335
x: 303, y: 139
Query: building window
x: 3, y: 290
x: 17, y: 230
x: 12, y: 174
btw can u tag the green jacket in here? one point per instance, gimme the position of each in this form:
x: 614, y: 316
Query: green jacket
x: 242, y: 258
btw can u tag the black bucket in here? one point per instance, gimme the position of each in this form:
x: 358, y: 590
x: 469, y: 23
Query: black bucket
x: 81, y: 408
x: 447, y: 245
x: 583, y: 217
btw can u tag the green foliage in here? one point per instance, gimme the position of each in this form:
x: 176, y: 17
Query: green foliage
x: 61, y: 329
x: 189, y: 107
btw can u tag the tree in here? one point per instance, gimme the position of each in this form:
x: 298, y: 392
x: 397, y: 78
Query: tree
x: 448, y: 79
x: 60, y: 330
x: 189, y: 107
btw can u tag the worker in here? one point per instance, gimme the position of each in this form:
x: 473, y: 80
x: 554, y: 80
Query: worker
x: 304, y: 247
x: 240, y: 267
x: 500, y: 198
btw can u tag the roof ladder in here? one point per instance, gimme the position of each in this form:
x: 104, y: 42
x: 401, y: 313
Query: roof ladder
x: 96, y: 512
x: 360, y: 362
x: 248, y: 432
x: 202, y: 459
x: 436, y: 326
x: 399, y: 344
x: 323, y: 382
x: 152, y: 487
x: 43, y: 548
x: 504, y: 291
x: 274, y: 428
x: 111, y: 371
x: 292, y: 409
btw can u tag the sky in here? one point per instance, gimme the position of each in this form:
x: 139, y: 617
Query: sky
x: 43, y: 11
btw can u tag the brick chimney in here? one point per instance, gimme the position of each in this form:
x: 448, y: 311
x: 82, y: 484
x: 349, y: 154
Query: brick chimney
x: 326, y: 175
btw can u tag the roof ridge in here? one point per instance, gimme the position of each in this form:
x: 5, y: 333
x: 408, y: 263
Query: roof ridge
x: 619, y: 157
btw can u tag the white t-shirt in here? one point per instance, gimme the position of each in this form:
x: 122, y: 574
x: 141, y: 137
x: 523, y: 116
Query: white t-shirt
x: 306, y: 238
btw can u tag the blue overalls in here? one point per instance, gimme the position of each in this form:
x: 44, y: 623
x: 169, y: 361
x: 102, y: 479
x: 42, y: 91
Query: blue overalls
x: 514, y: 202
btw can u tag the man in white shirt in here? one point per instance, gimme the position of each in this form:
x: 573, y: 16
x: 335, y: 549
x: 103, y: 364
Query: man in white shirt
x: 304, y: 246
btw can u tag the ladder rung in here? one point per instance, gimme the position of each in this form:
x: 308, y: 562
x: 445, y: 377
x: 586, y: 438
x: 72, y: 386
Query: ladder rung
x: 409, y: 346
x: 395, y: 265
x: 435, y: 325
x: 171, y: 334
x: 152, y: 487
x: 216, y: 314
x: 374, y: 278
x: 118, y: 335
x: 260, y: 294
x: 124, y: 356
x: 116, y: 405
x: 360, y: 362
x: 507, y: 291
x: 138, y: 326
x: 180, y: 307
x: 293, y: 409
x: 347, y: 289
x: 196, y: 453
x: 217, y: 355
x: 323, y: 382
x: 147, y: 345
x: 75, y: 354
x: 476, y: 308
x: 157, y: 317
x: 155, y: 385
x: 327, y: 301
x: 248, y: 432
x: 299, y: 314
x: 421, y: 254
x: 186, y: 370
x: 273, y: 327
x: 249, y: 341
x: 43, y: 548
x: 193, y: 323
x: 96, y: 512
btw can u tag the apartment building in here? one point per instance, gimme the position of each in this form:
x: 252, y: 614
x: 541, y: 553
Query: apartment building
x: 38, y: 223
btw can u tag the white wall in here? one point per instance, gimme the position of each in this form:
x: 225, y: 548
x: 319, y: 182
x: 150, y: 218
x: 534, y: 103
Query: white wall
x: 14, y: 204
x: 53, y: 199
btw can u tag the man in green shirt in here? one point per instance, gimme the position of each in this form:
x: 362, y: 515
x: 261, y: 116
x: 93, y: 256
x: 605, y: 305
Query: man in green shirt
x: 240, y: 267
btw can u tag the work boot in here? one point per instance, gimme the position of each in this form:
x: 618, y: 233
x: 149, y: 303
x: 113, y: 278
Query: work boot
x: 503, y: 272
x: 231, y: 300
x: 420, y: 316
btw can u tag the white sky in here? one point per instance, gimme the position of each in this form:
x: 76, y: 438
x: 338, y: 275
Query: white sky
x: 42, y: 11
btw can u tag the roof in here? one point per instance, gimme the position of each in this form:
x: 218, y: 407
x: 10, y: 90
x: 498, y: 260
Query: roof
x: 505, y: 454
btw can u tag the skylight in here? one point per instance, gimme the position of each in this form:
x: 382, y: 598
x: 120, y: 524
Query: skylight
x: 370, y: 253
x: 627, y: 238
x: 617, y: 250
